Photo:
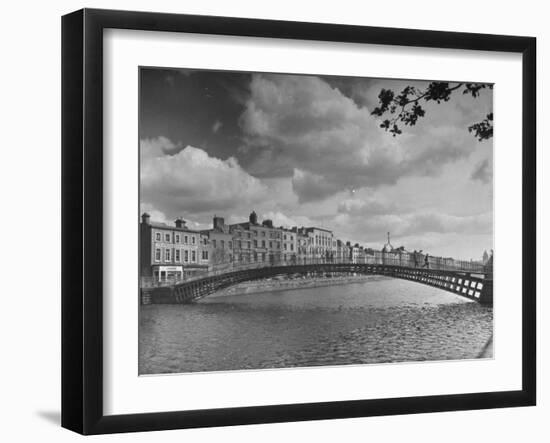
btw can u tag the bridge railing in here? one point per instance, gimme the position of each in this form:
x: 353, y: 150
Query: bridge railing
x: 405, y: 260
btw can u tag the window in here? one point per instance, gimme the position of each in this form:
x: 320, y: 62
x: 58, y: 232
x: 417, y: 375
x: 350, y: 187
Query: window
x: 193, y: 240
x: 185, y: 239
x: 177, y: 255
x: 271, y: 245
x: 248, y: 234
x: 263, y: 233
x: 167, y: 237
x: 222, y: 244
x: 284, y: 237
x: 157, y: 253
x: 292, y: 247
x: 240, y: 245
x: 263, y: 243
x: 205, y: 255
x: 278, y: 245
x: 193, y: 256
x: 285, y: 246
x: 177, y: 238
x: 157, y: 236
x: 248, y: 245
x: 167, y: 254
x: 214, y: 244
x: 255, y: 243
x: 186, y: 256
x: 230, y: 245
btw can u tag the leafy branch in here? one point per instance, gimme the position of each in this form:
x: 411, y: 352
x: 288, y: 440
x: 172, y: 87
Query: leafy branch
x: 405, y: 107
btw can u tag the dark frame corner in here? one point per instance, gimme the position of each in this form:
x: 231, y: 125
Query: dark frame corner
x: 82, y: 133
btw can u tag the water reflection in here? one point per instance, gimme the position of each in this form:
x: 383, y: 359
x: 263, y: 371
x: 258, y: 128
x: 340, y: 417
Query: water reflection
x: 383, y: 320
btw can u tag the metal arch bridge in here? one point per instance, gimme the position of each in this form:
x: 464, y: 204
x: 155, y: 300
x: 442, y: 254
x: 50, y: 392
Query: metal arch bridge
x: 471, y: 280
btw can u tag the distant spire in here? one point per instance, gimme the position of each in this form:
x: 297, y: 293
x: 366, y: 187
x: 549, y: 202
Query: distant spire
x: 388, y: 247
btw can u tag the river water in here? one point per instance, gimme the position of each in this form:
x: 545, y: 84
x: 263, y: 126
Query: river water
x: 379, y: 321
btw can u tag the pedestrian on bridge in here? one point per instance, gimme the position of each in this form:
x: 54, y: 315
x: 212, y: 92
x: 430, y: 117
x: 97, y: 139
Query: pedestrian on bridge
x: 426, y: 261
x: 415, y: 256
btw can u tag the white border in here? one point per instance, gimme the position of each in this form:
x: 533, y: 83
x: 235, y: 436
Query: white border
x: 125, y: 392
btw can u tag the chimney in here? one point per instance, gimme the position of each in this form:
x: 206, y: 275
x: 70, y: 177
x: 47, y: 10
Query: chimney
x: 253, y: 218
x: 145, y: 218
x: 218, y: 223
x: 180, y: 223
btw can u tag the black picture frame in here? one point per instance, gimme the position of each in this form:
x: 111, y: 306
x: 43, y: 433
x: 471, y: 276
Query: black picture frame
x: 82, y: 220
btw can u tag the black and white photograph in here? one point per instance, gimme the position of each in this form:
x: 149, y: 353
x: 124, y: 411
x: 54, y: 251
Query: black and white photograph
x: 290, y: 220
x: 275, y: 222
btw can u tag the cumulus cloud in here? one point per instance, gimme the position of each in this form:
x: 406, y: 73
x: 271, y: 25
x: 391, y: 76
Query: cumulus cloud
x: 280, y: 219
x: 445, y: 223
x: 216, y: 126
x: 361, y: 90
x: 155, y: 214
x: 359, y: 225
x: 302, y: 127
x: 483, y: 172
x: 191, y: 181
x: 312, y: 187
x: 367, y: 207
x: 157, y: 147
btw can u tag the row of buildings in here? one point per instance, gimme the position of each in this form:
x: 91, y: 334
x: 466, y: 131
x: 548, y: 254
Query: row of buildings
x: 176, y: 252
x: 172, y: 253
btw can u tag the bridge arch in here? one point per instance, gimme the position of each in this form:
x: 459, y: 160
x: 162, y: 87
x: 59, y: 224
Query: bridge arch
x: 474, y: 286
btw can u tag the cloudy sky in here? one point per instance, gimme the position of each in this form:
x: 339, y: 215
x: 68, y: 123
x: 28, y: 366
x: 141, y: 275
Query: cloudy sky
x: 305, y: 150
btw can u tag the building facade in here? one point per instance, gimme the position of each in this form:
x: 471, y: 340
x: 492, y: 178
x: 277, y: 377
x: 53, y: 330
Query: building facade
x: 169, y: 253
x: 257, y: 243
x: 355, y: 253
x: 173, y: 253
x: 302, y: 244
x: 322, y: 243
x: 343, y: 252
x: 218, y: 242
x: 290, y: 245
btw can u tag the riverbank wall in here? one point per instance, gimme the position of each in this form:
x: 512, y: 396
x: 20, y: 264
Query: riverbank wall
x: 295, y: 283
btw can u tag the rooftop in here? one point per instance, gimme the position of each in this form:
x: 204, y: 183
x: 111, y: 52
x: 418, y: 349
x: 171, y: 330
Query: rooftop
x: 319, y: 229
x: 159, y: 225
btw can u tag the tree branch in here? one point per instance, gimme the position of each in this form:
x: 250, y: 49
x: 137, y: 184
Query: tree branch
x: 398, y: 106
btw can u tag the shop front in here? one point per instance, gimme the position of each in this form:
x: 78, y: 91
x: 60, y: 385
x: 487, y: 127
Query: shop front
x: 167, y: 274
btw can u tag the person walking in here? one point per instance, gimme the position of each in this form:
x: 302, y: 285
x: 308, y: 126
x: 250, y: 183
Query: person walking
x: 426, y: 261
x: 415, y: 256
